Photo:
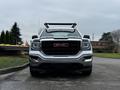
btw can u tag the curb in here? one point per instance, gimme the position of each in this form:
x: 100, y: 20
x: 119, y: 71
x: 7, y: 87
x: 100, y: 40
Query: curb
x: 13, y: 69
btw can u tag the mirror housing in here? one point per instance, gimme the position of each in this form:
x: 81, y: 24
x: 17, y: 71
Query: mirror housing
x: 86, y: 36
x: 34, y: 36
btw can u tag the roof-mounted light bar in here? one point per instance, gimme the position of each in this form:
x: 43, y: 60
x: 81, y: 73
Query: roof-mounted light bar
x: 47, y: 24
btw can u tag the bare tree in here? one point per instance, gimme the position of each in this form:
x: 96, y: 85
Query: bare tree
x: 116, y: 39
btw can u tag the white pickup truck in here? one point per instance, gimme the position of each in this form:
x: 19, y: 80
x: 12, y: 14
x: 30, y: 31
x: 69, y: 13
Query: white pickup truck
x: 60, y: 47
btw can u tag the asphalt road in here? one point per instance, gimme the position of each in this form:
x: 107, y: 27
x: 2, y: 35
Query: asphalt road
x: 105, y: 76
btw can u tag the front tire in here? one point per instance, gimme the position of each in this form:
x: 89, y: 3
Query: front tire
x: 33, y: 72
x: 87, y: 72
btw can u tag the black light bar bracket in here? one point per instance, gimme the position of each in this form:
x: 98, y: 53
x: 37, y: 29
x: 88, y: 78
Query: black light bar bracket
x: 47, y: 24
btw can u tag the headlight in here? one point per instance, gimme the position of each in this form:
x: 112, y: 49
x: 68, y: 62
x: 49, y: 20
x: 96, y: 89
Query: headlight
x: 86, y: 45
x: 35, y: 46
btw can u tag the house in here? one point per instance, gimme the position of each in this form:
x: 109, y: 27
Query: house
x: 102, y: 46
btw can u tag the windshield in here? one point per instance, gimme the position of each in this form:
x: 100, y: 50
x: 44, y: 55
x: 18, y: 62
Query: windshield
x: 60, y: 34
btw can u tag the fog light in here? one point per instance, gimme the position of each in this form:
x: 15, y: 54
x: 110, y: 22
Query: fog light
x: 35, y: 60
x: 88, y: 60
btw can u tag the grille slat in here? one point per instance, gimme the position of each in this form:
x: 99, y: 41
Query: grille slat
x: 61, y: 47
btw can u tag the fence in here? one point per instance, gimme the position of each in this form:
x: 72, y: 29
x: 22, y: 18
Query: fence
x: 13, y: 50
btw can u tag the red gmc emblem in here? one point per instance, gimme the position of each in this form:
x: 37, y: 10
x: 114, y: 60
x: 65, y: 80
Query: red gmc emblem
x: 60, y: 44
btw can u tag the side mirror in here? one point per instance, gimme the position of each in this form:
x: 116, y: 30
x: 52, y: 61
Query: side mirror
x: 34, y: 36
x: 86, y: 36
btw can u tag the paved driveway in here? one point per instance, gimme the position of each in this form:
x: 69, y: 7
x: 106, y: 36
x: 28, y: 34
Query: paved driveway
x: 105, y: 76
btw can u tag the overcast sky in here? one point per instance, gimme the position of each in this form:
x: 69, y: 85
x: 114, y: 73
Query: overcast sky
x: 92, y: 16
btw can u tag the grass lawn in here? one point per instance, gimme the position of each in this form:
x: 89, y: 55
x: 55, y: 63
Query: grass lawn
x: 108, y: 55
x: 11, y: 61
x: 8, y: 45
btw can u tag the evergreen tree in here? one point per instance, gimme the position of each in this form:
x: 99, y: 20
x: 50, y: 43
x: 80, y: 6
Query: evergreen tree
x: 0, y: 38
x: 7, y: 37
x: 15, y: 34
x: 106, y: 37
x: 3, y: 37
